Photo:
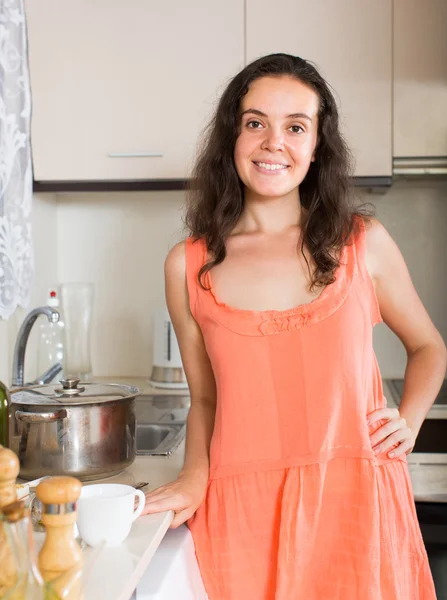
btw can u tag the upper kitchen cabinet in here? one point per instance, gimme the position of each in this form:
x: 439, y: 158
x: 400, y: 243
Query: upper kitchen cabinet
x: 122, y: 90
x: 350, y: 42
x: 420, y: 78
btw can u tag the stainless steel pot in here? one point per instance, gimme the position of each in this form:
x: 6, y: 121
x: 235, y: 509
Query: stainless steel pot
x: 87, y: 430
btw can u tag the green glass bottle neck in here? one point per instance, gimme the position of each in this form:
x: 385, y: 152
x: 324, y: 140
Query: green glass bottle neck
x: 4, y: 415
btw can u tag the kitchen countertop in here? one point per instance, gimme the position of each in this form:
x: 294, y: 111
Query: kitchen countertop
x: 143, y: 384
x: 113, y: 573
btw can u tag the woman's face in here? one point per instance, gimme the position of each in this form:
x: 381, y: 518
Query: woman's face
x: 278, y: 135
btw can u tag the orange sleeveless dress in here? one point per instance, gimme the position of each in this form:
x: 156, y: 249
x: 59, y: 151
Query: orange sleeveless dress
x: 298, y: 506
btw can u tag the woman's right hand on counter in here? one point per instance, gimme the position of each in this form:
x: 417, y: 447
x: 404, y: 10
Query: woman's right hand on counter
x: 183, y: 496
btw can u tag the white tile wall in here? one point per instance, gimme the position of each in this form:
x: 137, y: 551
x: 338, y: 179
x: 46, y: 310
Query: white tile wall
x: 119, y: 242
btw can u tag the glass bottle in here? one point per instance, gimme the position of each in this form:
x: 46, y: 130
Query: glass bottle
x: 5, y: 413
x: 29, y: 584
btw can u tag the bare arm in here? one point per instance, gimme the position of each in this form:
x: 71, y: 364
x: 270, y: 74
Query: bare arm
x: 403, y: 311
x: 196, y: 364
x: 186, y: 493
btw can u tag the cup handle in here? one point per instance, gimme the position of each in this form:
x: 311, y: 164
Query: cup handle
x: 141, y: 502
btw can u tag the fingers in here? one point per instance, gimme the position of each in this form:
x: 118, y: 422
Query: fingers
x: 382, y: 413
x: 404, y: 448
x: 386, y: 430
x: 393, y: 436
x: 396, y: 439
x: 181, y: 517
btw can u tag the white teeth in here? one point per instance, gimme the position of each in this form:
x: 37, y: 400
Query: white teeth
x: 270, y: 167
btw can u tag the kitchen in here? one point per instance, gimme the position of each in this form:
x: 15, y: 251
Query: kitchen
x: 92, y: 222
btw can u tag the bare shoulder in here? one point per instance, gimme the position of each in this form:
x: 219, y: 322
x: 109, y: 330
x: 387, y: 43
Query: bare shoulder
x: 175, y: 262
x: 376, y: 234
x: 381, y: 250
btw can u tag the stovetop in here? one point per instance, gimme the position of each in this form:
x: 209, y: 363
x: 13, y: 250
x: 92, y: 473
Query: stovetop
x: 397, y: 388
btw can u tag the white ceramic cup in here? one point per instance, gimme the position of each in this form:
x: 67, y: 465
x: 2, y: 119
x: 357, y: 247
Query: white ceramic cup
x: 106, y: 512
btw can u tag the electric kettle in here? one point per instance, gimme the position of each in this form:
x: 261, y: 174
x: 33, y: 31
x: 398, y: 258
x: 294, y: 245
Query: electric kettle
x: 167, y: 368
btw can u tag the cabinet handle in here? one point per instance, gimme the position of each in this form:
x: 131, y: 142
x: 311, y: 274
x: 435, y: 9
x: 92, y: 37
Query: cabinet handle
x: 134, y: 154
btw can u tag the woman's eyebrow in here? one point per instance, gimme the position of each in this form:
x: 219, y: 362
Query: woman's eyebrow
x: 259, y: 113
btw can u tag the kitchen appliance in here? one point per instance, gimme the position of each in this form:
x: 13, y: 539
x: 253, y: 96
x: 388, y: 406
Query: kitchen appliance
x: 432, y: 517
x: 167, y: 369
x: 85, y: 430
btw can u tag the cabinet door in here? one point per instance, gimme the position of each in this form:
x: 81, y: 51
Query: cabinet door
x: 350, y: 42
x: 420, y: 78
x: 126, y: 78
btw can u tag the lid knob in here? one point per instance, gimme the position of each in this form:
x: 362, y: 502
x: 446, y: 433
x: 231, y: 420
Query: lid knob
x: 70, y: 383
x: 69, y: 386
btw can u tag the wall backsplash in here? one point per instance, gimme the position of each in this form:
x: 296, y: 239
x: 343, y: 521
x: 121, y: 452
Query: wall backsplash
x: 119, y: 242
x: 415, y: 214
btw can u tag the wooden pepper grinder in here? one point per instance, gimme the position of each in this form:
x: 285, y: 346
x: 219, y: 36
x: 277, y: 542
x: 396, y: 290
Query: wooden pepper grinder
x: 60, y: 559
x: 9, y: 470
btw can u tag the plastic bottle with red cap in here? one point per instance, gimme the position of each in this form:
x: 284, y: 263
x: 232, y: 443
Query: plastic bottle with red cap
x: 50, y: 349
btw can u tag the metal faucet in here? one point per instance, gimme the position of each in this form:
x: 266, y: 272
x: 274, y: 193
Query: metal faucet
x: 18, y: 360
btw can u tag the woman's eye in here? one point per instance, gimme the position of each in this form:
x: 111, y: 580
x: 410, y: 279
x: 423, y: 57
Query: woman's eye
x: 297, y: 128
x: 254, y: 124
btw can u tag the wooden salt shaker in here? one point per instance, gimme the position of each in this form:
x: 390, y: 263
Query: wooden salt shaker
x: 9, y: 470
x: 60, y: 559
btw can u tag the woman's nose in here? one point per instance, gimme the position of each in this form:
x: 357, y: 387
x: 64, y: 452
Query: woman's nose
x: 273, y: 140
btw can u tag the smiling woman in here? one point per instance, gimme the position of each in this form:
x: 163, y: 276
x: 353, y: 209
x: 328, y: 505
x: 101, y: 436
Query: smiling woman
x: 295, y: 483
x: 274, y: 141
x: 292, y: 125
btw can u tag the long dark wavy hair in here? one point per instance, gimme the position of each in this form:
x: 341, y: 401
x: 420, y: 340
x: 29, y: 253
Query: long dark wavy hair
x: 216, y: 194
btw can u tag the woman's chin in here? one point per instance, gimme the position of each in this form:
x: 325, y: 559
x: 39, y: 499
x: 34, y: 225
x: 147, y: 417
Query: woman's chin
x: 271, y: 191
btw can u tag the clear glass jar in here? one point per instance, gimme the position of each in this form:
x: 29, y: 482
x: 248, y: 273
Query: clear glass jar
x: 28, y: 582
x: 77, y: 307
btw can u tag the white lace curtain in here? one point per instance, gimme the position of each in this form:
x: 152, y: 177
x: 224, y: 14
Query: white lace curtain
x: 16, y: 252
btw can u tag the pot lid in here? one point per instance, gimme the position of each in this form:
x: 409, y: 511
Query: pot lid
x: 72, y: 391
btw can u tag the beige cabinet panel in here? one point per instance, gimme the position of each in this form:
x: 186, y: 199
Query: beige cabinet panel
x: 115, y: 78
x: 420, y: 78
x: 350, y: 42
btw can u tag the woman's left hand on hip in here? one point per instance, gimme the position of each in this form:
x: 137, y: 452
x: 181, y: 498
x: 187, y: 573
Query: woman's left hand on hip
x: 393, y: 436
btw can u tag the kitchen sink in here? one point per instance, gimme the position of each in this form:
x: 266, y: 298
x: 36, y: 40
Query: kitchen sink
x: 157, y: 439
x: 161, y: 423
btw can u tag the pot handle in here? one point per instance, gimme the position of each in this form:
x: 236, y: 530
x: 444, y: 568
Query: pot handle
x: 35, y: 417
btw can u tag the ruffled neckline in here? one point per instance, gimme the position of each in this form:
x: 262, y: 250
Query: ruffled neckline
x: 269, y: 322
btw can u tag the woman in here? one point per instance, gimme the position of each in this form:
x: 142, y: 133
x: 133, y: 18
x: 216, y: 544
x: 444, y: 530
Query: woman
x: 295, y: 483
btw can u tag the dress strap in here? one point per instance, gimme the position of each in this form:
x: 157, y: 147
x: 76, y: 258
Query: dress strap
x: 195, y: 258
x: 360, y: 251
